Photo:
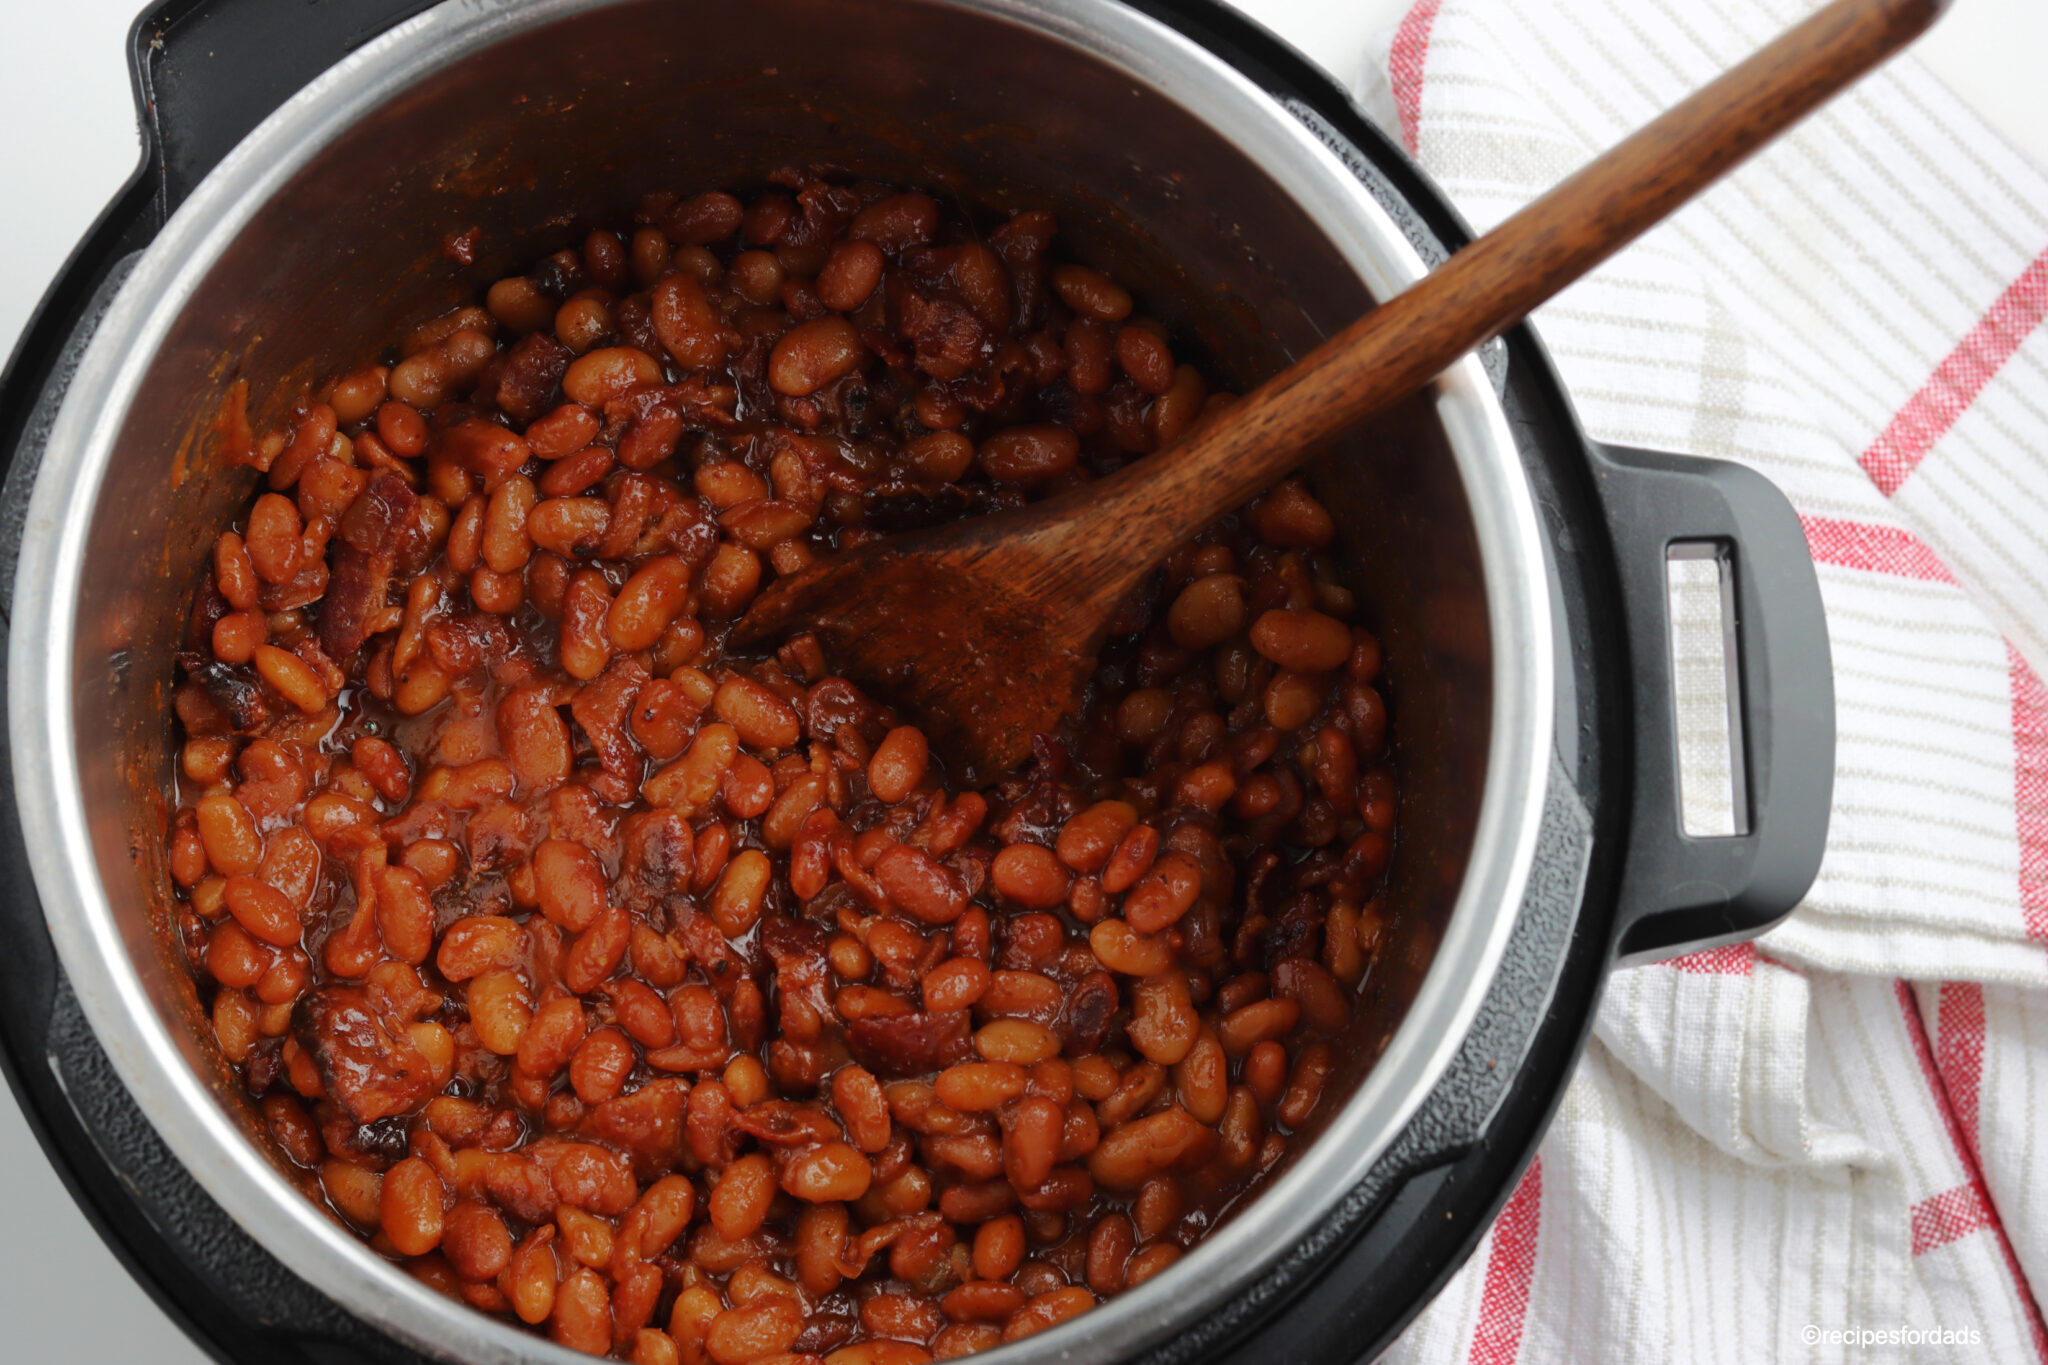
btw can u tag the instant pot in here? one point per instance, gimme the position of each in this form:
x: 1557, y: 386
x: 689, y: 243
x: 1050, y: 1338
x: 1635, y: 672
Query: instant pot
x: 1515, y: 570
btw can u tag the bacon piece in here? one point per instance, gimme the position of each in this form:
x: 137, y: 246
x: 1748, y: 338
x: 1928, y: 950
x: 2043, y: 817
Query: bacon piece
x: 231, y: 689
x: 647, y: 1125
x: 657, y: 855
x: 533, y: 376
x: 370, y: 1068
x: 379, y: 529
x: 910, y: 1044
x: 601, y: 708
x: 1085, y: 1016
x: 802, y: 983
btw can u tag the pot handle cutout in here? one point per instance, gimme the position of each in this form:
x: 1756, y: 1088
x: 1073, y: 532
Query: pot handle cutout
x: 1733, y: 696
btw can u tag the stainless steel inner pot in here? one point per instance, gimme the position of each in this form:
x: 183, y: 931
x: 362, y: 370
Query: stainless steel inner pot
x: 319, y: 239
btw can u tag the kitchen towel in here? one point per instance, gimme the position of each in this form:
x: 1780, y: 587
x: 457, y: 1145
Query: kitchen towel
x: 1821, y: 1147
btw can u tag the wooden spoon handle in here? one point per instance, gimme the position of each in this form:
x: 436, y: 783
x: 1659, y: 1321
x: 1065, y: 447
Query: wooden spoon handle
x: 1494, y: 282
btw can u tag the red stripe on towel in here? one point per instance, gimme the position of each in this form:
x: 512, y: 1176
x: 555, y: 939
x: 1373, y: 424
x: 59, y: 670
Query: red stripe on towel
x: 1404, y: 68
x: 1504, y: 1303
x: 1956, y: 382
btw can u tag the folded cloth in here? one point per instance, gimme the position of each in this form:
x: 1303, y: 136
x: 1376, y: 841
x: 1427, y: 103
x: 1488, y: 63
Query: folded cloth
x: 1820, y: 1147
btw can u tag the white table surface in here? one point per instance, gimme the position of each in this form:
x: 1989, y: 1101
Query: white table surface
x: 69, y: 140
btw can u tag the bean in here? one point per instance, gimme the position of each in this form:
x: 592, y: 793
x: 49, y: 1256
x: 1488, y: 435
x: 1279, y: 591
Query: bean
x: 1133, y: 1151
x: 1325, y: 1006
x: 1089, y: 353
x: 940, y: 456
x: 899, y: 764
x: 1259, y: 1022
x: 294, y: 681
x: 1030, y: 875
x: 410, y: 1207
x: 742, y: 891
x: 730, y: 581
x: 820, y: 1246
x: 582, y: 1314
x: 1164, y: 894
x: 551, y: 1039
x: 1032, y: 1130
x: 1133, y: 858
x: 228, y: 834
x: 1208, y: 611
x: 897, y: 222
x: 273, y: 539
x: 1023, y: 995
x: 476, y: 1241
x: 401, y: 428
x: 1290, y: 517
x: 703, y: 219
x: 1303, y: 641
x: 499, y: 1011
x: 648, y: 602
x: 756, y: 276
x: 600, y: 1065
x: 762, y: 719
x: 955, y: 984
x: 236, y: 960
x: 357, y: 394
x: 1019, y: 1041
x: 1145, y: 357
x: 1125, y: 951
x: 1201, y: 1079
x: 1025, y: 454
x: 980, y: 1087
x: 355, y: 1191
x: 480, y: 943
x: 850, y: 275
x: 1241, y: 1129
x: 1091, y: 293
x: 584, y: 319
x: 739, y: 1335
x: 1141, y: 717
x: 918, y: 886
x: 1163, y: 1020
x: 586, y: 647
x: 739, y: 1201
x: 814, y: 355
x: 691, y: 1317
x: 505, y: 544
x: 1265, y: 1071
x: 899, y: 1315
x: 830, y: 1173
x: 879, y: 1352
x: 1087, y: 840
x: 858, y: 1098
x: 1305, y: 1086
x: 1110, y: 1245
x: 405, y: 916
x: 1047, y: 1310
x: 262, y: 911
x: 1136, y: 1089
x: 1176, y: 410
x: 569, y: 883
x: 1292, y: 699
x: 689, y: 327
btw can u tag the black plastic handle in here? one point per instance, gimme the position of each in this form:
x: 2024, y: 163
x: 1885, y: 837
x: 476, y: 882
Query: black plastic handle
x: 1679, y: 892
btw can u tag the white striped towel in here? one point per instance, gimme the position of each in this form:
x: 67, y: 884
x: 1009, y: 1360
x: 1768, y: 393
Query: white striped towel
x: 1820, y: 1148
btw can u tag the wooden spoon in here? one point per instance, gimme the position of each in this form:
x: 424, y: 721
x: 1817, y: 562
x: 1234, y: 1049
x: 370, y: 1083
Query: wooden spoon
x: 988, y: 629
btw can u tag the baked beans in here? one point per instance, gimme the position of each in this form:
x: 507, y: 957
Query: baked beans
x: 675, y: 1002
